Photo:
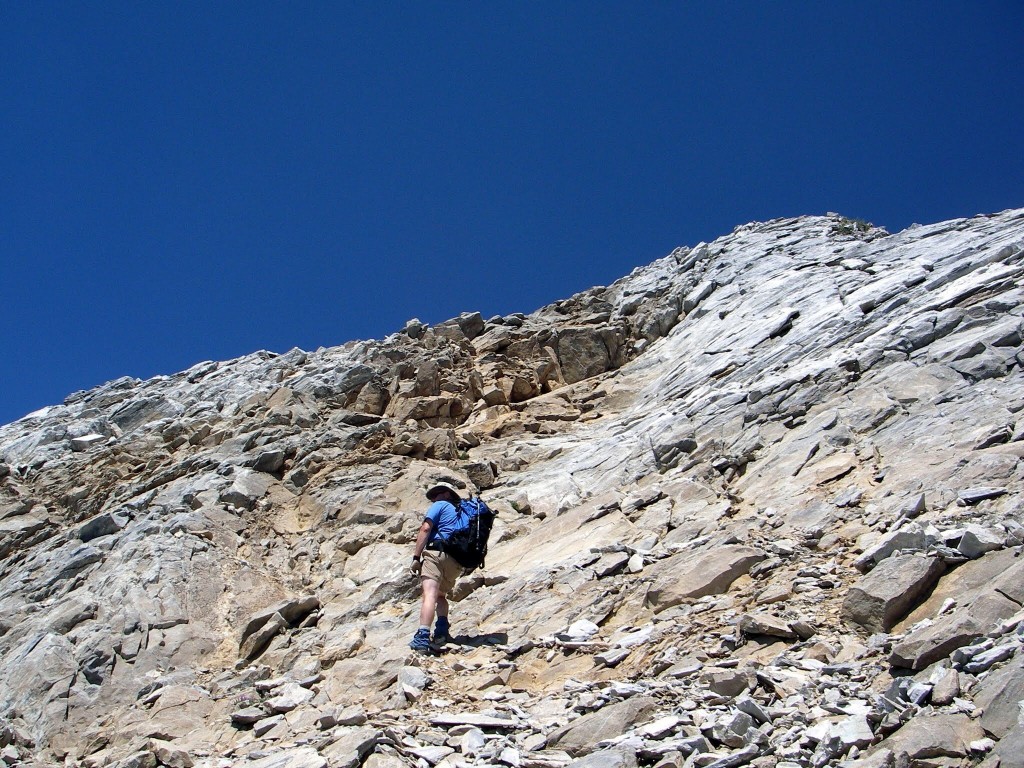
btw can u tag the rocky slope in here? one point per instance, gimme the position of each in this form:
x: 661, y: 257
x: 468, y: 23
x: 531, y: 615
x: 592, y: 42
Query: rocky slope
x: 759, y: 503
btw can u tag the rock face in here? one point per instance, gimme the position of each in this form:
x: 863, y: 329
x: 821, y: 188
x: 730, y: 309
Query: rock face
x: 758, y: 502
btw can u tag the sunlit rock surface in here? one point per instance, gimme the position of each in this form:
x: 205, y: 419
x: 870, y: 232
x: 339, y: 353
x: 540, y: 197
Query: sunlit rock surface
x: 759, y: 502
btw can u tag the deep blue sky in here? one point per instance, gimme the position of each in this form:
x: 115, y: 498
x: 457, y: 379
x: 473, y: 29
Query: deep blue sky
x: 191, y: 181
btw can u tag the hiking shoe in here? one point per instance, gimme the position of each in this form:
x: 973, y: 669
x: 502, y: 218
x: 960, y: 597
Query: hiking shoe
x: 421, y: 641
x: 441, y: 629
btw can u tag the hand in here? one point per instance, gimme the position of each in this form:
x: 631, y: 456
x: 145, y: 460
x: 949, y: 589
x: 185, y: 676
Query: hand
x: 417, y: 564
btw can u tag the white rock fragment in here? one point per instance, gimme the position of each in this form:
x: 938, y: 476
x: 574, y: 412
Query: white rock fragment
x: 85, y: 442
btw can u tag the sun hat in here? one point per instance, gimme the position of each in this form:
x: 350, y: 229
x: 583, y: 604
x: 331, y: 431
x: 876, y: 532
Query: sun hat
x: 442, y: 486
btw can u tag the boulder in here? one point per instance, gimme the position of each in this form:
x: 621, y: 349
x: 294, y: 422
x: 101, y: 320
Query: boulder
x: 689, y: 575
x: 936, y: 735
x: 765, y: 624
x: 294, y: 757
x: 288, y: 697
x: 612, y: 720
x: 929, y: 644
x: 885, y: 595
x: 1000, y: 698
x: 606, y: 758
x: 350, y: 746
x: 102, y: 525
x: 1009, y: 752
x: 247, y: 487
x: 292, y: 610
x: 585, y: 352
x: 911, y: 536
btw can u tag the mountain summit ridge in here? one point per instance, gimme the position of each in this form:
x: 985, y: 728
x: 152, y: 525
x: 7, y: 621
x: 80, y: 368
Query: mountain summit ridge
x: 709, y: 476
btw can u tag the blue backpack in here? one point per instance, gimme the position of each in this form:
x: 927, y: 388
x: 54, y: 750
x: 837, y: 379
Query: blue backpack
x: 468, y: 543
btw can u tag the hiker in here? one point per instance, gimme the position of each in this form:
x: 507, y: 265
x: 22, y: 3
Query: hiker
x: 436, y: 569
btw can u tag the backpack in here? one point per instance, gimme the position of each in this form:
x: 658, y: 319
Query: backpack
x: 468, y: 543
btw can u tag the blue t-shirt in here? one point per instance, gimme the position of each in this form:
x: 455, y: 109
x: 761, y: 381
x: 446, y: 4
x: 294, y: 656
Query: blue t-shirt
x: 444, y: 519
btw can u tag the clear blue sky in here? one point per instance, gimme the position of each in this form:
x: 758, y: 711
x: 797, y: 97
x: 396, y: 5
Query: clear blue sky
x: 191, y: 181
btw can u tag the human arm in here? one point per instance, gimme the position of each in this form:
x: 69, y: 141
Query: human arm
x: 422, y: 537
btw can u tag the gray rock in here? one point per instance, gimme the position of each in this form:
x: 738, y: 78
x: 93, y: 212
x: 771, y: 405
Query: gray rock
x: 732, y: 730
x: 1009, y: 752
x: 85, y: 442
x: 248, y: 716
x: 289, y: 696
x: 350, y: 746
x: 610, y: 721
x: 295, y: 757
x: 472, y: 741
x: 606, y: 758
x: 475, y: 719
x: 946, y: 687
x: 255, y: 642
x: 432, y: 755
x: 269, y: 461
x: 1000, y: 697
x: 141, y: 759
x: 977, y: 540
x: 579, y: 631
x: 885, y: 595
x: 929, y: 644
x: 983, y: 661
x: 910, y: 537
x: 167, y: 754
x: 267, y: 724
x: 728, y: 682
x: 754, y: 709
x: 972, y: 496
x: 685, y: 575
x: 102, y: 525
x: 247, y: 487
x: 413, y: 681
x: 731, y: 760
x: 853, y: 732
x: 929, y: 736
x: 292, y: 611
x: 765, y: 624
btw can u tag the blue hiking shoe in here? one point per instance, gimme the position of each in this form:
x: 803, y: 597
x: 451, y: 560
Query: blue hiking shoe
x: 441, y: 629
x: 421, y: 641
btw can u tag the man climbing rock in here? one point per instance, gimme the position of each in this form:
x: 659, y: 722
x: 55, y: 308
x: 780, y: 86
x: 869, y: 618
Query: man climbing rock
x: 437, y: 571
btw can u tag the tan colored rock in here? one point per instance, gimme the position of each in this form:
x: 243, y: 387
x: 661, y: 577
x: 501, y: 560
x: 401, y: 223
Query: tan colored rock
x: 692, y: 575
x: 884, y: 596
x: 1000, y: 697
x: 930, y: 736
x: 947, y: 687
x: 765, y: 624
x: 580, y: 736
x: 924, y: 646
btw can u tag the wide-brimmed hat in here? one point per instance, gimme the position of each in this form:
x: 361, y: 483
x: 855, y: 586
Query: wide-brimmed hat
x: 436, y: 487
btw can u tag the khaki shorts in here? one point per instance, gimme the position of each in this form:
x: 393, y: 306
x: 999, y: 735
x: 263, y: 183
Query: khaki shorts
x: 442, y: 568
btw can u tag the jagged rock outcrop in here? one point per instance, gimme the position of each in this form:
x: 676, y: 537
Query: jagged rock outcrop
x: 759, y: 502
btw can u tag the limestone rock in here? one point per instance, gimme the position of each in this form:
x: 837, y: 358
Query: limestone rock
x: 350, y: 746
x: 685, y: 576
x: 298, y: 757
x: 885, y: 595
x: 288, y: 697
x: 935, y: 736
x: 1000, y: 699
x: 694, y: 466
x: 931, y: 643
x: 610, y: 721
x: 606, y: 758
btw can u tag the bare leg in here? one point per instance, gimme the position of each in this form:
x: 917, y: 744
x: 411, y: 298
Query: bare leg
x: 430, y: 601
x: 442, y: 605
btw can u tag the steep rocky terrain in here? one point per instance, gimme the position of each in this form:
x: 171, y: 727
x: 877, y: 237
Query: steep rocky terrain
x: 759, y: 503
